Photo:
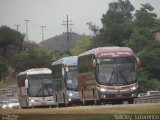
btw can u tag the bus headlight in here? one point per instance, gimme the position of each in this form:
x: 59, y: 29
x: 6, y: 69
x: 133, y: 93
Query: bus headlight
x: 103, y: 90
x: 10, y: 105
x: 32, y: 100
x: 70, y: 94
x: 133, y: 88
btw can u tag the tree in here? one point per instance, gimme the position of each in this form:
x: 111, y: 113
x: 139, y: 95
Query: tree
x: 10, y: 40
x: 32, y: 57
x: 157, y: 25
x: 124, y: 7
x: 96, y: 39
x: 144, y: 17
x: 150, y: 59
x: 149, y: 77
x: 143, y: 25
x: 148, y: 85
x: 116, y: 23
x: 94, y: 28
x: 3, y: 70
x: 81, y: 47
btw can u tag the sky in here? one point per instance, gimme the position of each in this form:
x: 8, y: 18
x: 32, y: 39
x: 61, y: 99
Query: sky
x: 52, y: 13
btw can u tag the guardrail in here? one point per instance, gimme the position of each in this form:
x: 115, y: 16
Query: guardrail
x: 148, y: 99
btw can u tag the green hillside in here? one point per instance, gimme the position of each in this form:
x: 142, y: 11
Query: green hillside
x: 59, y: 43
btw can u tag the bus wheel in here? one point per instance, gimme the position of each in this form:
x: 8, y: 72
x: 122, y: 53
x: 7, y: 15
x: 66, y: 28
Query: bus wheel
x: 83, y: 99
x: 120, y: 102
x: 95, y: 102
x: 65, y: 101
x: 83, y: 102
x: 94, y: 97
x: 131, y: 101
x: 57, y: 105
x: 56, y: 99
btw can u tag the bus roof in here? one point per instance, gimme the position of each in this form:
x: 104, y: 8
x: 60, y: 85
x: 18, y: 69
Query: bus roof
x: 36, y: 71
x: 109, y: 51
x: 71, y: 60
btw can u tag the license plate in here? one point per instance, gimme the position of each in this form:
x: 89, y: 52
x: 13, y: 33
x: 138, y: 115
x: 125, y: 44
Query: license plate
x: 118, y: 95
x: 43, y: 103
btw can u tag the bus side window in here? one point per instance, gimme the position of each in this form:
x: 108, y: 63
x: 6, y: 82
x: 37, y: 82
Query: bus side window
x: 80, y: 65
x: 21, y: 81
x: 54, y: 86
x: 89, y: 64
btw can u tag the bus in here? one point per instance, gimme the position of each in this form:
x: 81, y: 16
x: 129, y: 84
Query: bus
x: 108, y: 74
x: 35, y: 88
x: 65, y: 81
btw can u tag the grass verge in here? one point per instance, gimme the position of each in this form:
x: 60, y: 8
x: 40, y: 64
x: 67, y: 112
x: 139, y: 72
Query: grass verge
x: 85, y: 113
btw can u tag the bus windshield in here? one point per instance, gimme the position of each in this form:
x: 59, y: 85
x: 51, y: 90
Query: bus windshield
x: 40, y: 85
x: 116, y: 71
x: 71, y: 79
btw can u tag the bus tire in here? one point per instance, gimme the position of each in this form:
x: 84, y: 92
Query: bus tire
x: 56, y: 99
x: 65, y: 101
x: 94, y: 96
x: 83, y: 102
x: 131, y: 101
x: 83, y: 99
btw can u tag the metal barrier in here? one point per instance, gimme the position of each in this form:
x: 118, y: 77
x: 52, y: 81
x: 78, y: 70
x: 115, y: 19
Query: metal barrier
x: 148, y: 99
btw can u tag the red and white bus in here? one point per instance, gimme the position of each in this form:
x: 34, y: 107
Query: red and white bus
x: 108, y: 74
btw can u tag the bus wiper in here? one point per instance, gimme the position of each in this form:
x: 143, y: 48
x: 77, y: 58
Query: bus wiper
x: 47, y: 88
x: 111, y: 77
x: 40, y: 89
x: 123, y: 77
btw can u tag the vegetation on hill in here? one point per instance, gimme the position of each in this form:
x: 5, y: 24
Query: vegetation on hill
x: 34, y: 56
x: 11, y: 43
x: 17, y: 56
x: 120, y: 27
x: 60, y: 44
x: 149, y: 76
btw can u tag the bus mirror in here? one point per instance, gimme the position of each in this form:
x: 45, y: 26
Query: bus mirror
x: 67, y: 69
x: 138, y: 63
x: 26, y: 83
x: 94, y: 65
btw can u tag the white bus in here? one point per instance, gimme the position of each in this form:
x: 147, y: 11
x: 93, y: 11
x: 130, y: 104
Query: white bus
x: 35, y: 88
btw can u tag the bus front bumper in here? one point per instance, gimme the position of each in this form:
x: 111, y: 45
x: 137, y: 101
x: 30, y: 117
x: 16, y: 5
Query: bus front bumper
x: 118, y: 95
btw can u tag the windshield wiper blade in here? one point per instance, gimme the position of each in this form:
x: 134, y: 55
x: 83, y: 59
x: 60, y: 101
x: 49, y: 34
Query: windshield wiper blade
x: 47, y: 88
x: 39, y: 90
x: 123, y: 77
x: 111, y: 77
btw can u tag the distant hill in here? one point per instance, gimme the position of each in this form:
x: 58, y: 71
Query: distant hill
x: 59, y: 42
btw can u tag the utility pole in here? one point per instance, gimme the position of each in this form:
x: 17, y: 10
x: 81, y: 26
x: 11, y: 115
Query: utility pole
x: 26, y: 29
x: 67, y: 23
x: 70, y: 32
x: 22, y: 43
x: 17, y: 26
x: 42, y: 33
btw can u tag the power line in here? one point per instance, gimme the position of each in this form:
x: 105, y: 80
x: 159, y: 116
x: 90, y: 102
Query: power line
x: 67, y: 23
x: 46, y: 29
x: 22, y: 43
